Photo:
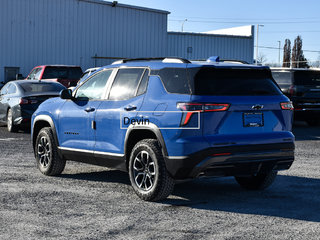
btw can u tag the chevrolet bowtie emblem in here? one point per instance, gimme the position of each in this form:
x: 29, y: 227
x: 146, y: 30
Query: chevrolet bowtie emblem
x: 257, y: 107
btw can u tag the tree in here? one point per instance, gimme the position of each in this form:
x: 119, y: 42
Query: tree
x: 286, y: 53
x: 262, y: 58
x: 298, y: 59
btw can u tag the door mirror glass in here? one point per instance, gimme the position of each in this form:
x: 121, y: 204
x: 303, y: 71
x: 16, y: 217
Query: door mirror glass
x: 66, y: 94
x: 19, y: 76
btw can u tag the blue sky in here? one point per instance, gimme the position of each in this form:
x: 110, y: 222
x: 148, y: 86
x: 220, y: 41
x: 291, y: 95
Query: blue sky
x: 281, y: 19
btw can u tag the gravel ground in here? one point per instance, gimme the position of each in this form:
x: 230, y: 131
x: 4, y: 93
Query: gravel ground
x: 88, y: 202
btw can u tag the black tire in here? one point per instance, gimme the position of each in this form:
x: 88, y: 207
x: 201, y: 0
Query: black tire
x: 10, y: 125
x: 147, y: 171
x: 46, y: 151
x: 258, y: 182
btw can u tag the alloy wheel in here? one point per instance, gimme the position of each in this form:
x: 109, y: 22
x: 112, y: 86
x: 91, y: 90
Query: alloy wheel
x: 144, y: 171
x: 44, y: 152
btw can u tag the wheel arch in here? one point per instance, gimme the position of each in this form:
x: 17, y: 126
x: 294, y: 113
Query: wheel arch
x: 137, y: 133
x: 40, y: 122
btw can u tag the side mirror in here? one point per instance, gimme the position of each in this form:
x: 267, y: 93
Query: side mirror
x: 73, y: 84
x: 66, y: 94
x: 19, y: 76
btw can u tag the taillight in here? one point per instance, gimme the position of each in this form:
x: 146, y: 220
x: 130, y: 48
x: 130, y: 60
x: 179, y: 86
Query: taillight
x: 221, y: 154
x: 24, y: 101
x: 292, y: 90
x: 203, y: 107
x: 286, y: 106
x: 192, y: 108
x: 216, y: 107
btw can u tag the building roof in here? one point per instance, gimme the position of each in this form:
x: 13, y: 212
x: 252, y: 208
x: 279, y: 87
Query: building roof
x: 126, y: 6
x: 245, y: 31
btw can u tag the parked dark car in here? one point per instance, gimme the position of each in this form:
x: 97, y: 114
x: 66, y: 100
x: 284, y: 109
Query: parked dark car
x: 20, y: 99
x: 302, y: 86
x: 64, y: 74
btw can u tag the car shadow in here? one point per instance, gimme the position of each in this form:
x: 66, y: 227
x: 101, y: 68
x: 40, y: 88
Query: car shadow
x: 114, y: 176
x: 289, y: 197
x: 303, y: 132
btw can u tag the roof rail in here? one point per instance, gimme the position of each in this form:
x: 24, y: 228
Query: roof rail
x: 233, y: 61
x: 163, y: 59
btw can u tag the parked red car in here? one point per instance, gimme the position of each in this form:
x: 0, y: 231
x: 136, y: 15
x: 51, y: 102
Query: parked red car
x: 64, y: 74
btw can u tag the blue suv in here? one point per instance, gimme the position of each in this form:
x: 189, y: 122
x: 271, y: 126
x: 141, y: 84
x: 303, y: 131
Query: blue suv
x: 169, y: 119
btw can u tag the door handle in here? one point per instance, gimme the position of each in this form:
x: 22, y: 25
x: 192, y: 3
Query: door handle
x: 90, y: 109
x: 130, y: 108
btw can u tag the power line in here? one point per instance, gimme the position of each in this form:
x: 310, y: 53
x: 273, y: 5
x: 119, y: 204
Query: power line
x: 248, y: 19
x: 297, y: 31
x: 239, y: 22
x: 275, y: 48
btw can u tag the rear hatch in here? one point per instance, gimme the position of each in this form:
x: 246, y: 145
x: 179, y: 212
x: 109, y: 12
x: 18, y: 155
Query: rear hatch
x: 31, y: 102
x: 36, y: 92
x: 241, y: 106
x: 306, y: 90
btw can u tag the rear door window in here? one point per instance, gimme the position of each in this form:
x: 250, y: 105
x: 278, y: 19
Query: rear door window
x: 232, y: 82
x: 126, y: 83
x: 306, y: 77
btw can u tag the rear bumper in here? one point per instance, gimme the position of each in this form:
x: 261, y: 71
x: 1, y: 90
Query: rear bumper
x: 306, y: 113
x: 232, y: 161
x: 22, y: 117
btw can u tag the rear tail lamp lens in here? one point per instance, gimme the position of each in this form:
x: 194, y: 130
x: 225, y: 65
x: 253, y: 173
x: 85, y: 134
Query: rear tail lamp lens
x: 287, y: 106
x: 191, y: 108
x: 24, y: 101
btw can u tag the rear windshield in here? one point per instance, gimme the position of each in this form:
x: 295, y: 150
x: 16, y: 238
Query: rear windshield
x: 41, y: 87
x: 282, y: 77
x: 307, y: 78
x: 232, y: 82
x: 62, y: 72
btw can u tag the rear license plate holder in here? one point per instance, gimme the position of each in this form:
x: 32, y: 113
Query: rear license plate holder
x: 253, y: 119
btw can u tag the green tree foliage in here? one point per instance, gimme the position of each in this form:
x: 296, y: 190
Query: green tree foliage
x: 286, y: 53
x: 298, y: 59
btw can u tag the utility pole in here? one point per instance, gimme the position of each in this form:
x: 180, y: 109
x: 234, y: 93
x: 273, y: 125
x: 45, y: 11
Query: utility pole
x: 279, y: 52
x: 257, y: 46
x: 183, y: 24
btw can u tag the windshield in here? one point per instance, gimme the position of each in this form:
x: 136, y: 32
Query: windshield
x: 307, y: 78
x: 62, y: 72
x: 41, y: 87
x: 232, y: 82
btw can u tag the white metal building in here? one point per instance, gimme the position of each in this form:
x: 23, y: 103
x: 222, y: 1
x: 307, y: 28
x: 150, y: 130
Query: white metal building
x: 95, y: 32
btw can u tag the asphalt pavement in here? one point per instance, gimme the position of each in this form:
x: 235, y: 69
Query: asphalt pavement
x: 89, y: 202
